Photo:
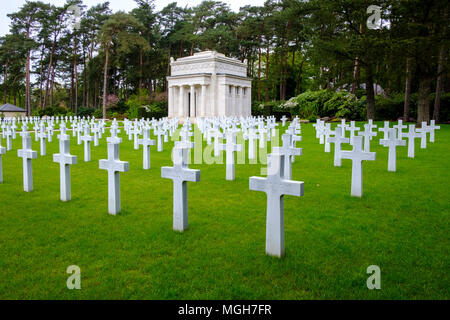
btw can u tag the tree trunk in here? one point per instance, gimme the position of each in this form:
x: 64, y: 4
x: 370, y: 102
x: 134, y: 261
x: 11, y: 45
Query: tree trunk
x: 300, y: 76
x: 75, y: 71
x: 105, y: 79
x: 71, y: 90
x: 423, y: 108
x: 50, y: 64
x: 406, y: 106
x: 5, y: 83
x: 53, y: 85
x: 355, y: 75
x: 370, y: 94
x: 267, y: 72
x: 259, y: 59
x: 41, y: 105
x: 84, y: 77
x: 27, y: 84
x: 141, y: 69
x: 437, y: 101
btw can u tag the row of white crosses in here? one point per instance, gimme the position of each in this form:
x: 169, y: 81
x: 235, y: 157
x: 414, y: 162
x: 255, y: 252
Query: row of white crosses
x: 276, y: 185
x: 392, y: 139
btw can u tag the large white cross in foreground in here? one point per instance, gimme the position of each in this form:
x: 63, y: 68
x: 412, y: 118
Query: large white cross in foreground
x: 27, y: 154
x: 180, y: 174
x: 65, y: 159
x: 114, y: 166
x: 275, y: 186
x: 357, y: 155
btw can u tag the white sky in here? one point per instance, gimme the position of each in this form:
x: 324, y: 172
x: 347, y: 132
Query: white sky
x: 10, y: 6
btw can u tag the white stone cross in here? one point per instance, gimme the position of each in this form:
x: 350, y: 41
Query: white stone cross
x: 42, y: 136
x: 317, y: 126
x: 217, y: 135
x: 50, y: 131
x: 371, y: 126
x: 327, y: 133
x: 352, y: 130
x: 146, y: 142
x: 283, y: 120
x: 230, y: 148
x: 159, y: 132
x: 62, y: 128
x: 185, y: 135
x: 392, y: 143
x: 87, y: 138
x: 357, y: 155
x: 8, y: 134
x: 2, y: 151
x: 288, y: 151
x: 411, y: 136
x: 27, y: 154
x: 276, y: 187
x: 36, y: 131
x: 114, y: 130
x: 338, y: 139
x: 114, y: 166
x: 251, y: 136
x: 180, y: 174
x: 136, y: 132
x: 385, y: 130
x: 262, y: 136
x: 431, y: 129
x: 79, y: 131
x: 96, y: 131
x: 13, y: 128
x: 343, y: 127
x: 423, y: 135
x: 367, y: 134
x: 65, y: 159
x: 399, y: 127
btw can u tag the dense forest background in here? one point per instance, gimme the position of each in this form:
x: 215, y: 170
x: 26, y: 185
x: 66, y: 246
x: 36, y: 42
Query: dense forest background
x: 300, y: 54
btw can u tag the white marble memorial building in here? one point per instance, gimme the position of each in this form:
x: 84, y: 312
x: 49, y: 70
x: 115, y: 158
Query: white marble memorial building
x: 208, y: 84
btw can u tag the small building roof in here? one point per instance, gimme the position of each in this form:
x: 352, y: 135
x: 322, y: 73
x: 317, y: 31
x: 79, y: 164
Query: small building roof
x: 11, y: 108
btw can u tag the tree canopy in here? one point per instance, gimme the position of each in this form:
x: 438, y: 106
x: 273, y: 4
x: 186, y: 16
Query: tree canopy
x: 291, y: 46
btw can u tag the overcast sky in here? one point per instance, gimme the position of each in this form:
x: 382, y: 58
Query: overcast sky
x: 10, y: 6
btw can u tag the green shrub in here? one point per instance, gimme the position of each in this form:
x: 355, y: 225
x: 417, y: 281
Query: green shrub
x: 84, y: 111
x: 121, y: 107
x: 345, y: 105
x: 51, y: 111
x: 312, y: 103
x: 156, y: 110
x: 257, y: 109
x: 391, y: 108
x: 312, y: 119
x: 98, y: 114
x: 133, y: 106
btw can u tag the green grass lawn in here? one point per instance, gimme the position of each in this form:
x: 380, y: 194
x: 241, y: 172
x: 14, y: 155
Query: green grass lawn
x: 401, y: 224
